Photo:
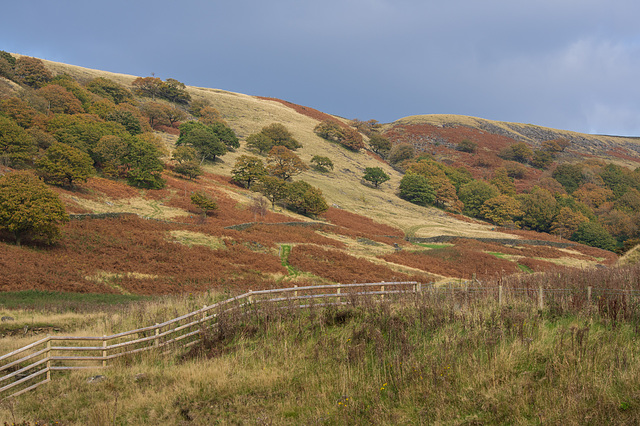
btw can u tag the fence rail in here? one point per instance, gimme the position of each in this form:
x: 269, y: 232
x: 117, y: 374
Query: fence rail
x: 30, y: 366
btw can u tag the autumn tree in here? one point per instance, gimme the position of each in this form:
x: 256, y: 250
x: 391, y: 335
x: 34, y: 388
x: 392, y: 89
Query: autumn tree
x: 566, y: 222
x: 63, y: 165
x: 501, y: 210
x: 400, y: 153
x: 280, y: 136
x: 20, y: 111
x: 593, y: 195
x: 210, y: 115
x: 148, y: 86
x: 17, y: 148
x: 174, y: 115
x: 321, y: 163
x: 332, y: 130
x: 503, y: 182
x: 248, y: 170
x: 204, y: 202
x: 156, y: 113
x: 60, y: 99
x: 375, y: 175
x: 416, y: 189
x: 283, y: 163
x: 29, y: 208
x: 109, y: 155
x: 32, y: 72
x: 519, y: 152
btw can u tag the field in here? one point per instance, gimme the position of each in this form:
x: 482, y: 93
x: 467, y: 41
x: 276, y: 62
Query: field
x: 419, y: 360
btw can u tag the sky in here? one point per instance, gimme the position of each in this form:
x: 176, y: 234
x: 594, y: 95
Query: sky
x: 566, y: 64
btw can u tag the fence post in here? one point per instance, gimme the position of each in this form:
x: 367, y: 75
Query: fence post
x: 156, y: 341
x: 295, y: 293
x: 382, y: 290
x: 589, y: 294
x: 204, y: 313
x: 104, y: 350
x: 48, y: 357
x: 500, y: 299
x: 540, y: 298
x: 338, y: 291
x: 250, y: 296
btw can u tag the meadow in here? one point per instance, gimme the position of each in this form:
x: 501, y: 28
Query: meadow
x: 431, y: 358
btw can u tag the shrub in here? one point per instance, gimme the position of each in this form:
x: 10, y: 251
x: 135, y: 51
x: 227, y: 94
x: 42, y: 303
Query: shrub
x: 345, y: 136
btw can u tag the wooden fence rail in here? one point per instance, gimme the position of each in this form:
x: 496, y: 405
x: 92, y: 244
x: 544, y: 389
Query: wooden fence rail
x: 30, y: 366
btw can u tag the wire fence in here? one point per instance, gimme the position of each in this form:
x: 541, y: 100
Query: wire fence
x: 32, y: 365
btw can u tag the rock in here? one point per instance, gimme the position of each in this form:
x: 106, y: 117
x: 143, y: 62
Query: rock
x: 96, y: 379
x: 4, y: 319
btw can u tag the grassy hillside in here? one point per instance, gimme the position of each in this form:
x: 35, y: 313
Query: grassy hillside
x: 177, y: 252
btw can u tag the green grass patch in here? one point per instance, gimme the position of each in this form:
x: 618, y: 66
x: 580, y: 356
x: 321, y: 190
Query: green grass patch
x: 525, y: 268
x: 498, y: 255
x: 60, y: 301
x: 433, y: 245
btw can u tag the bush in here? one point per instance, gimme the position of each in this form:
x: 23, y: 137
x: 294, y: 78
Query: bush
x: 416, y: 189
x: 322, y: 164
x: 345, y: 136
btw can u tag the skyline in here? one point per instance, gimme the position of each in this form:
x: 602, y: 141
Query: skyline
x: 567, y: 64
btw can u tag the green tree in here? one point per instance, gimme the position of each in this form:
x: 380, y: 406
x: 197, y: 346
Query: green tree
x: 379, y: 144
x: 569, y: 175
x: 272, y: 187
x: 110, y: 89
x: 17, y: 148
x: 204, y: 202
x: 29, y: 208
x: 333, y: 131
x: 203, y: 139
x: 281, y: 136
x: 474, y: 194
x: 305, y: 199
x: 375, y: 175
x: 416, y: 189
x: 400, y: 153
x: 503, y: 182
x: 188, y: 165
x: 538, y: 209
x: 127, y: 119
x: 110, y: 155
x: 283, y: 163
x: 467, y: 145
x: 322, y: 164
x: 144, y: 165
x: 63, y: 165
x: 519, y: 152
x: 541, y: 159
x: 248, y: 170
x: 566, y: 222
x: 593, y: 234
x: 259, y: 142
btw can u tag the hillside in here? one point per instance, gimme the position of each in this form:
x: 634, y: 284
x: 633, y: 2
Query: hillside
x: 355, y: 240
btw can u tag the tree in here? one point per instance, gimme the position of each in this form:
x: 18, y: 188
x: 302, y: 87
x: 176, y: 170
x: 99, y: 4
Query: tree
x: 204, y: 202
x: 32, y: 72
x: 16, y: 146
x: 400, y: 153
x: 566, y: 222
x: 63, y: 165
x: 109, y: 89
x: 156, y: 113
x: 145, y: 166
x: 379, y: 144
x: 203, y: 139
x: 248, y: 170
x: 416, y: 189
x: 375, y: 175
x: 127, y: 119
x: 593, y: 195
x: 541, y: 159
x: 174, y: 115
x: 446, y: 196
x: 259, y: 142
x: 322, y: 164
x: 305, y: 199
x: 345, y: 136
x: 519, y: 152
x: 283, y: 163
x: 271, y: 187
x: 503, y: 182
x: 593, y: 234
x: 29, y: 208
x: 501, y: 210
x: 61, y: 101
x: 569, y: 175
x: 538, y: 209
x: 210, y: 115
x: 467, y: 145
x: 474, y: 194
x: 110, y: 154
x: 188, y: 165
x: 280, y: 135
x: 148, y: 86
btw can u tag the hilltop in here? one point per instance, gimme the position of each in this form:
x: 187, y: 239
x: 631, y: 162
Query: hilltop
x: 363, y: 236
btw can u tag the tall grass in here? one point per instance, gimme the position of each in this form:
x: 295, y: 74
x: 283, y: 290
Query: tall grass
x: 425, y: 359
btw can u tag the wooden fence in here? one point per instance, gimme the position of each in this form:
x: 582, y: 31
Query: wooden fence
x: 31, y: 366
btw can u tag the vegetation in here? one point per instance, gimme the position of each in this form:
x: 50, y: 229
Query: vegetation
x: 247, y: 170
x: 204, y: 202
x: 333, y: 131
x: 63, y: 165
x: 322, y: 163
x: 283, y: 163
x: 375, y: 175
x: 28, y: 208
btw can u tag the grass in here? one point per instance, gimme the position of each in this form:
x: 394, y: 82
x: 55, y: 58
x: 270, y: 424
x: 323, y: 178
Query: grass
x: 433, y: 246
x: 425, y: 360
